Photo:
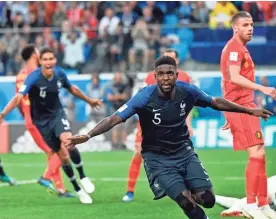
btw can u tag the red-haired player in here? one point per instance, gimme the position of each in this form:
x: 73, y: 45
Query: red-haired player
x: 136, y: 161
x: 238, y: 85
x: 30, y: 55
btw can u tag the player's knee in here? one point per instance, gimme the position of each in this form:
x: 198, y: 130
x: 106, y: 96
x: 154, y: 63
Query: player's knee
x: 184, y: 203
x: 208, y: 199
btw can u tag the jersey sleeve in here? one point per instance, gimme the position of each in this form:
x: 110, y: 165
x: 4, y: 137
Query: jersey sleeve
x: 28, y: 83
x: 66, y: 83
x: 201, y: 98
x: 136, y: 102
x: 235, y: 56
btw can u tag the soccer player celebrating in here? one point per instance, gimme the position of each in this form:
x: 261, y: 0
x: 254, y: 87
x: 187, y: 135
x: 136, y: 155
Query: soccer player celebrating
x: 30, y: 55
x: 42, y: 87
x: 4, y: 177
x: 135, y: 165
x: 238, y: 86
x: 172, y: 166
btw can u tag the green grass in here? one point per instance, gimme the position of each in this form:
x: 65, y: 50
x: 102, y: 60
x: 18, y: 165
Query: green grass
x: 225, y: 167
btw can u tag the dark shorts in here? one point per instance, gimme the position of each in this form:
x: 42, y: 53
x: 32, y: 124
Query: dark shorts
x: 53, y: 128
x: 170, y: 175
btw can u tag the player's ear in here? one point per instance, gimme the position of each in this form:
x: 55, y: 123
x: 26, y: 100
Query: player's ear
x: 155, y: 75
x: 176, y: 74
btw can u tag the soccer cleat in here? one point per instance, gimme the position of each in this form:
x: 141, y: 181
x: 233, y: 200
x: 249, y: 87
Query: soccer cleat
x: 66, y: 194
x: 84, y: 197
x: 128, y: 197
x: 268, y: 212
x: 47, y: 184
x: 7, y: 179
x: 87, y: 185
x: 255, y: 213
x: 235, y: 213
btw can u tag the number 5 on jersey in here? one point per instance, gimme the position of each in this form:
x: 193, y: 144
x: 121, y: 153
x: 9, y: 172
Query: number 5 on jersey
x: 66, y: 124
x: 156, y: 120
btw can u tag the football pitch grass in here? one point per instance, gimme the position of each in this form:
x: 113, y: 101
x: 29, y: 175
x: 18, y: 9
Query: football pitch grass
x: 109, y: 172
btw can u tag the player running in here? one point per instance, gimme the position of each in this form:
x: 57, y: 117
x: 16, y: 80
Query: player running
x: 238, y: 85
x: 42, y: 87
x: 135, y: 165
x: 4, y: 177
x: 31, y: 57
x: 235, y: 206
x: 172, y: 166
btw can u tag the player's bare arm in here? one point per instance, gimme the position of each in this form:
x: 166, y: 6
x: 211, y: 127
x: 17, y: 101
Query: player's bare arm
x: 236, y: 78
x: 103, y: 126
x: 222, y: 104
x: 78, y: 93
x: 14, y: 102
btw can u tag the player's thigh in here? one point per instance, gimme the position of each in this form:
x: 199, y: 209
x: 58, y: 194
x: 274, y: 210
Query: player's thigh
x: 61, y: 126
x: 48, y: 134
x: 196, y: 176
x: 246, y: 130
x: 164, y: 178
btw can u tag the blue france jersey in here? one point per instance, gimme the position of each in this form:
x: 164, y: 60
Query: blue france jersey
x: 43, y: 93
x: 163, y: 122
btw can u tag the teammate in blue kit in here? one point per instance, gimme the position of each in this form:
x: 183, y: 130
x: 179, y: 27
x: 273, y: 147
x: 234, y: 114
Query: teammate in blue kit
x: 172, y: 166
x: 48, y: 115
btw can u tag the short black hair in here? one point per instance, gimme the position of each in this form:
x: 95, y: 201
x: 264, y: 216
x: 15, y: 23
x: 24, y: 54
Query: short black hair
x: 27, y: 52
x: 165, y: 60
x: 172, y: 51
x: 240, y: 14
x: 46, y: 50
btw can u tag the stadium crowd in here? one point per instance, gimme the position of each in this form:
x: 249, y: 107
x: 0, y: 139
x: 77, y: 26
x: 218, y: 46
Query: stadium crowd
x: 112, y: 35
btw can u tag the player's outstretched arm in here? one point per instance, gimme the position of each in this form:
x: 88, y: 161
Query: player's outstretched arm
x: 222, y: 104
x: 14, y: 102
x: 78, y: 93
x: 236, y: 78
x: 102, y: 127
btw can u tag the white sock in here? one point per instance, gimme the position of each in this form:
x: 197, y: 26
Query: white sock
x: 252, y: 206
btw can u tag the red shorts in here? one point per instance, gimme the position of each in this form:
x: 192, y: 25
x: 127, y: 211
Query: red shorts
x: 246, y: 129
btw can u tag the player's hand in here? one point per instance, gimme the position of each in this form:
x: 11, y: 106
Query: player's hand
x: 265, y: 114
x: 270, y: 91
x: 95, y: 103
x: 76, y: 140
x: 225, y: 126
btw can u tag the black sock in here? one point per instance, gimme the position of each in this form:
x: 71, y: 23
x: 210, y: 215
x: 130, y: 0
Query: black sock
x: 76, y: 159
x: 2, y: 173
x: 196, y: 213
x: 70, y: 173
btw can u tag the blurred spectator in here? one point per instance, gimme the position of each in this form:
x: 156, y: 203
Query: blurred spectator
x: 118, y: 94
x: 128, y: 20
x: 221, y: 15
x: 185, y: 12
x: 273, y: 13
x: 39, y: 42
x: 265, y: 7
x: 49, y: 10
x: 135, y: 8
x: 73, y: 50
x: 156, y: 12
x: 18, y: 20
x: 109, y: 23
x: 140, y: 35
x: 33, y: 8
x: 11, y: 42
x: 18, y: 8
x: 94, y: 90
x: 59, y: 15
x: 48, y: 37
x: 4, y: 59
x: 57, y: 48
x: 200, y: 13
x: 90, y: 24
x: 67, y: 101
x: 254, y: 9
x: 74, y: 13
x: 148, y: 17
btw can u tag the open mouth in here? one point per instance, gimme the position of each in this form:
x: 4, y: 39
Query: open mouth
x: 166, y: 86
x: 48, y: 67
